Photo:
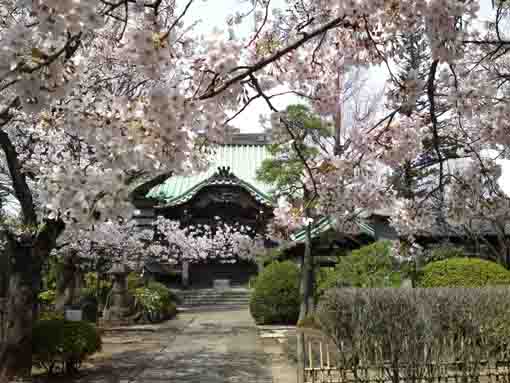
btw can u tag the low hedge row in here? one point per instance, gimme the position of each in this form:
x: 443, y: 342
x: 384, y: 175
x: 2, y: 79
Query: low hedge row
x: 409, y: 325
x: 63, y: 345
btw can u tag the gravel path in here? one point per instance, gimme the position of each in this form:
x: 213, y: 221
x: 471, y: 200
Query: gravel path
x: 208, y: 347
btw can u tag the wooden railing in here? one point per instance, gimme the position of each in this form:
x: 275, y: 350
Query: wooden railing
x: 321, y: 365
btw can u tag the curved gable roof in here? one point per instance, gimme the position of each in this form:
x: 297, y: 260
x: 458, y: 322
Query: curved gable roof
x: 243, y: 161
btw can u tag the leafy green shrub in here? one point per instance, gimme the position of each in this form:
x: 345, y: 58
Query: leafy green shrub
x: 47, y: 297
x: 165, y: 291
x: 463, y: 272
x: 64, y: 344
x: 156, y: 301
x: 275, y: 298
x: 92, y: 289
x: 369, y: 266
x: 134, y: 281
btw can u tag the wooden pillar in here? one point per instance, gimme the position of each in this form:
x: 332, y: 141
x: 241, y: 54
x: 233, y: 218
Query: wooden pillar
x: 301, y: 354
x: 185, y: 273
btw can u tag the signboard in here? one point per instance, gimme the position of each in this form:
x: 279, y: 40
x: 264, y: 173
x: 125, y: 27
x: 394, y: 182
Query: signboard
x: 73, y: 315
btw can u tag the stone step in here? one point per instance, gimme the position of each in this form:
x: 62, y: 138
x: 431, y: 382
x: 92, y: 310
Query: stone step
x: 200, y: 308
x: 206, y: 299
x: 211, y: 299
x: 242, y: 300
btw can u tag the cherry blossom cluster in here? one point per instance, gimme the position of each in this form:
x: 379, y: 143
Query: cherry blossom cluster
x: 199, y: 242
x: 108, y: 242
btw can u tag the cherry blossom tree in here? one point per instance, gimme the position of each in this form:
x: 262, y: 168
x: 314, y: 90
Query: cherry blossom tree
x: 100, y: 246
x: 96, y: 95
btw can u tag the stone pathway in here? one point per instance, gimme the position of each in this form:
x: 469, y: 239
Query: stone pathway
x: 209, y: 347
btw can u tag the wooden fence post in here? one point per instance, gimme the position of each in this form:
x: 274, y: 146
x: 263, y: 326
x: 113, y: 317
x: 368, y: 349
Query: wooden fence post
x: 300, y: 356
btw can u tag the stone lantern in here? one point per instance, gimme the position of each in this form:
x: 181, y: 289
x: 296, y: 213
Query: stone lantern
x: 120, y: 303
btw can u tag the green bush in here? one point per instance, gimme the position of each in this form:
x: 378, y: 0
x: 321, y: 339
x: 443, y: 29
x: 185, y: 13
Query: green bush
x: 275, y: 298
x: 163, y: 290
x: 134, y: 281
x: 93, y: 290
x: 463, y: 272
x: 47, y: 297
x: 369, y: 266
x: 64, y: 344
x: 156, y: 302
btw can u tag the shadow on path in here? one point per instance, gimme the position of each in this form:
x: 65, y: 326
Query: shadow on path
x: 211, y: 347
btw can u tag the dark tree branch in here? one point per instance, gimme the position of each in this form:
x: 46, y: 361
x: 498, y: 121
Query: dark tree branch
x: 19, y: 182
x: 277, y: 55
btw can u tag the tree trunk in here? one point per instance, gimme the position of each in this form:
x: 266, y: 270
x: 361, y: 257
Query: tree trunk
x: 306, y: 276
x: 26, y: 257
x: 24, y: 280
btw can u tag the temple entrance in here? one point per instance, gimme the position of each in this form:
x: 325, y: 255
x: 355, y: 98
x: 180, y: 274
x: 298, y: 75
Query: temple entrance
x: 203, y: 274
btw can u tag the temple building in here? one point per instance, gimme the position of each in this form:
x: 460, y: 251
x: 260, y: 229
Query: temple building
x: 229, y: 189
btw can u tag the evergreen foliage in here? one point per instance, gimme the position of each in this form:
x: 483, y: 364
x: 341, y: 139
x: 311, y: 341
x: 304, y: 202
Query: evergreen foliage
x: 156, y: 301
x: 369, y: 266
x: 464, y: 272
x: 284, y: 170
x: 275, y: 298
x: 62, y: 344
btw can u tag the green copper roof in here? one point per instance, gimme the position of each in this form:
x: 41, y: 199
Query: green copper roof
x: 243, y: 161
x: 326, y: 224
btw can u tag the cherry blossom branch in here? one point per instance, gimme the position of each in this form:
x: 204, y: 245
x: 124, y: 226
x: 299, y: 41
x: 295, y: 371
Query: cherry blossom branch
x: 176, y: 21
x: 259, y: 29
x: 277, y: 55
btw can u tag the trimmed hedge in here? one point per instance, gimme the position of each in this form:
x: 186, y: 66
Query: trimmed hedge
x: 64, y: 344
x: 275, y: 298
x: 463, y: 272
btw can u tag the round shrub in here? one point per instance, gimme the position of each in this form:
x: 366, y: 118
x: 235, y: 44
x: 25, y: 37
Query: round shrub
x: 156, y: 302
x: 369, y: 266
x: 464, y: 272
x: 64, y: 344
x: 275, y: 298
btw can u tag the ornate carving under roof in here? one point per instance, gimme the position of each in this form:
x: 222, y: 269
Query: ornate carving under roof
x: 232, y: 165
